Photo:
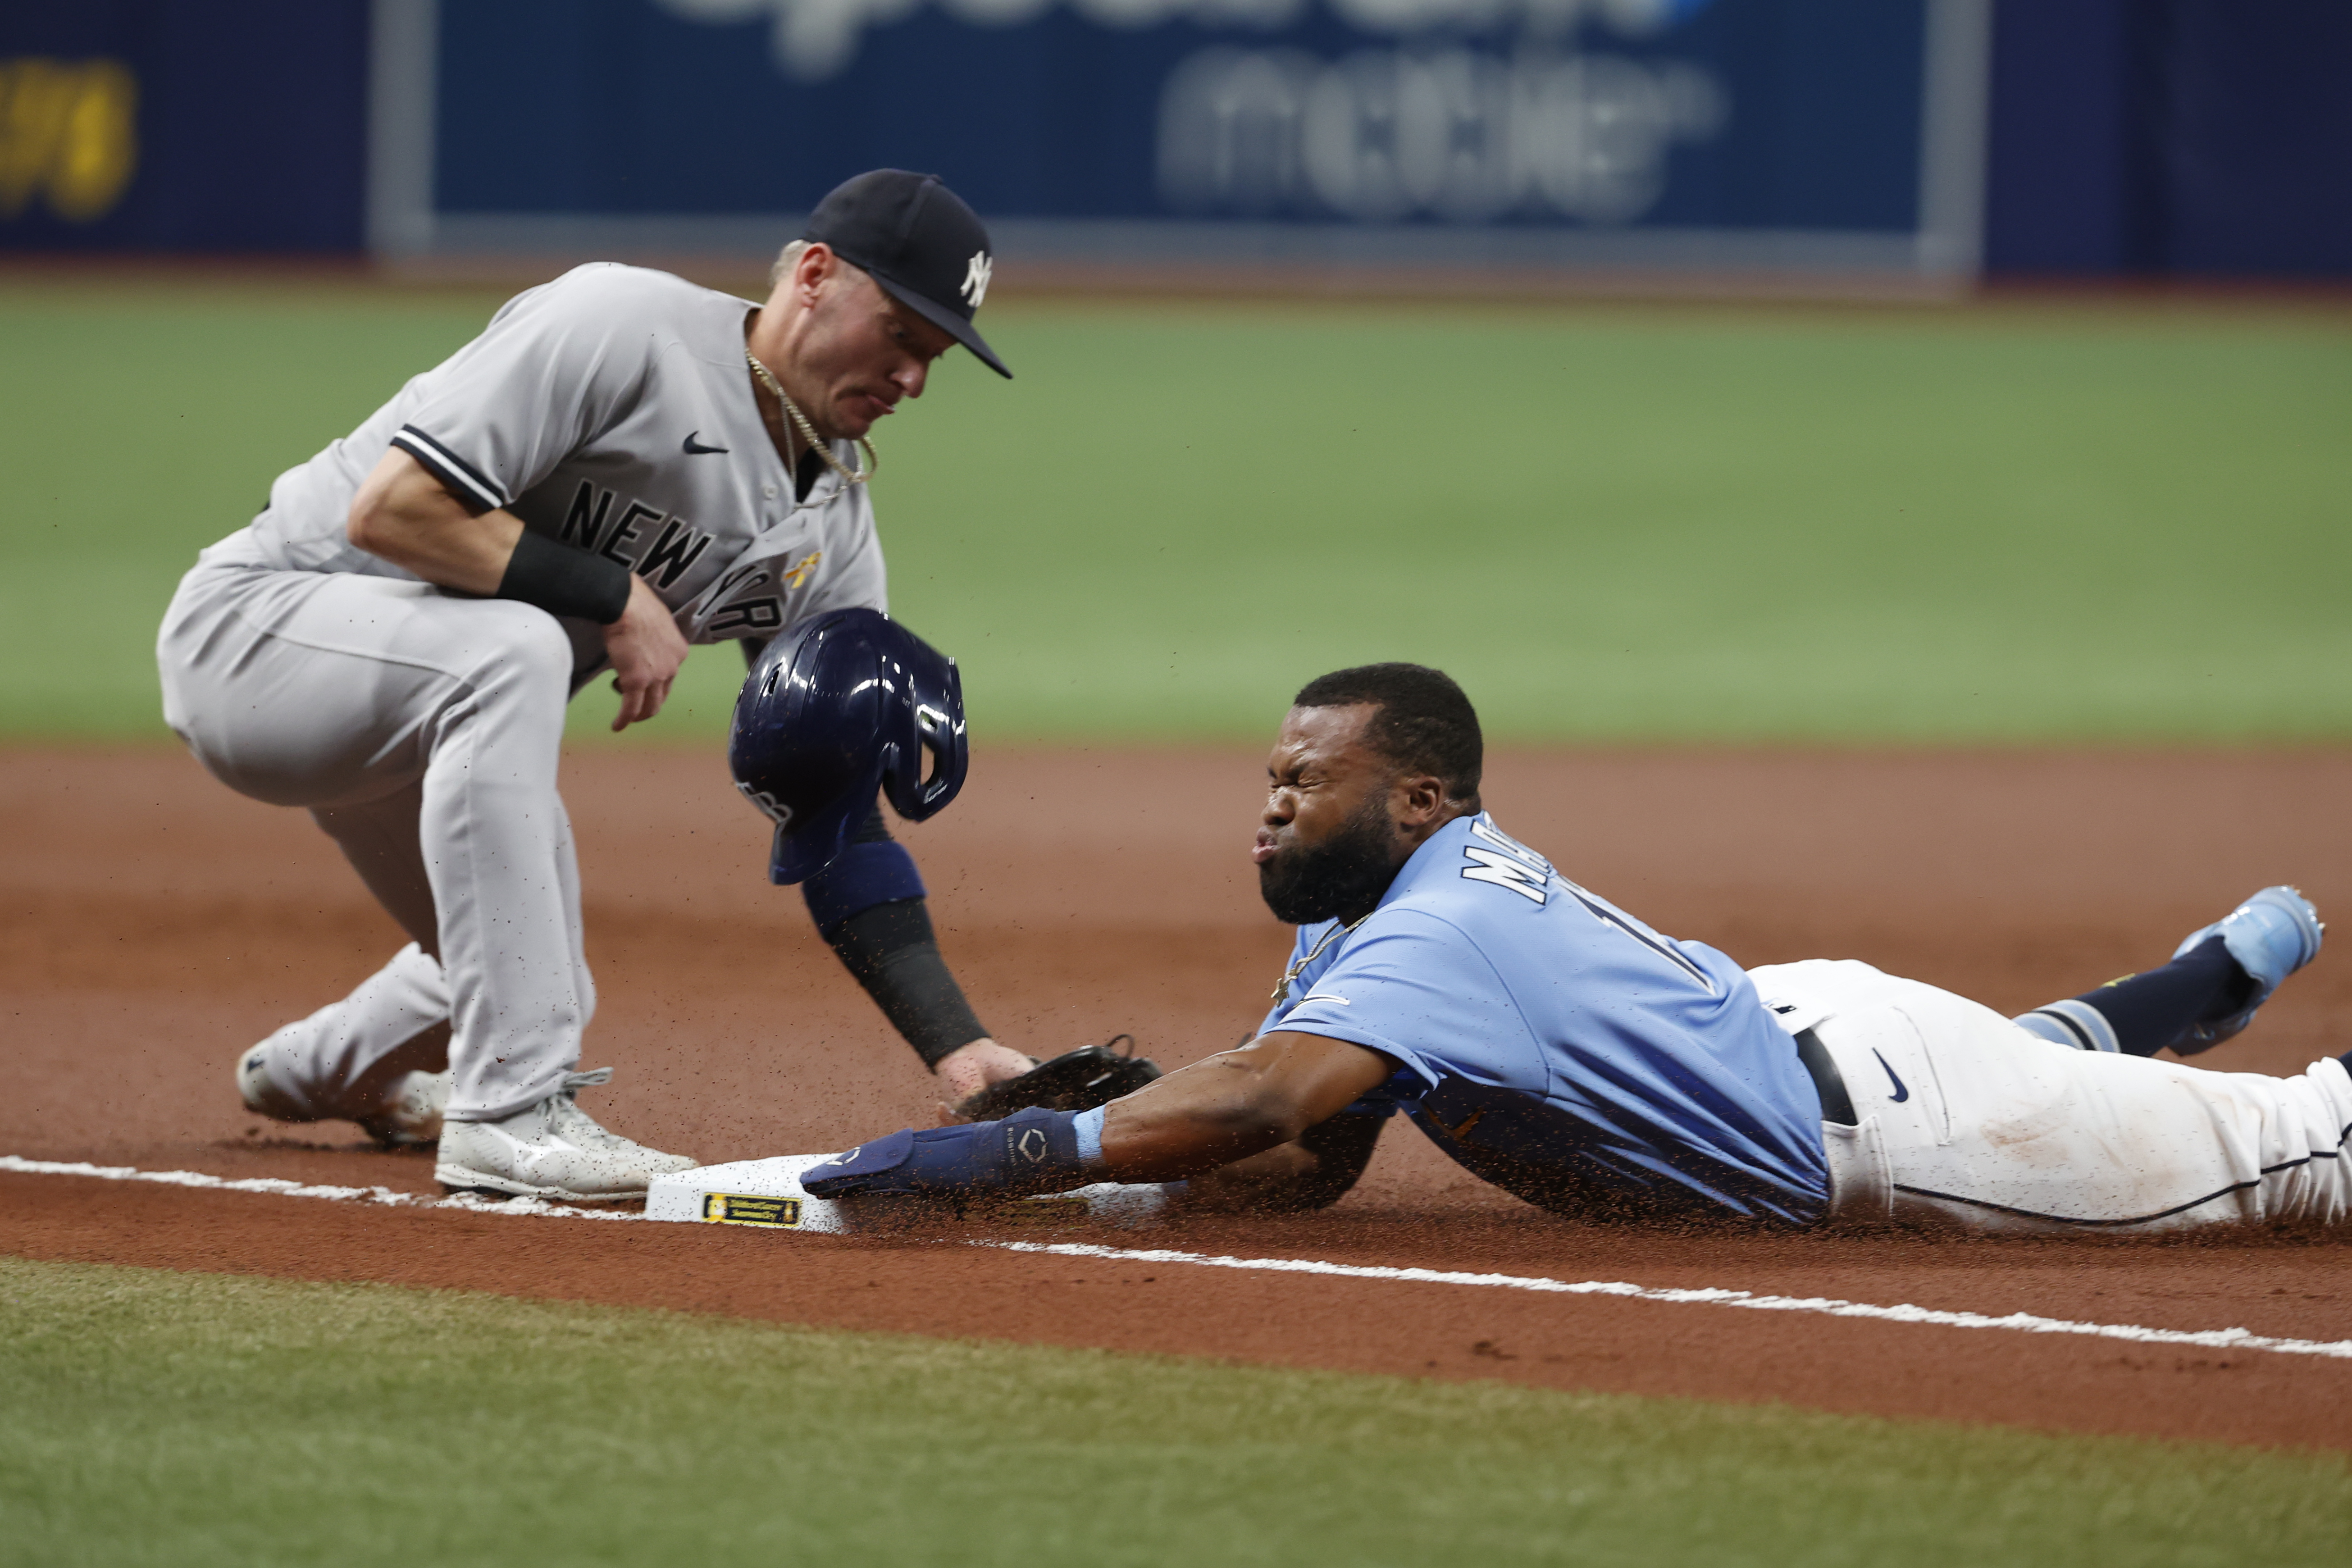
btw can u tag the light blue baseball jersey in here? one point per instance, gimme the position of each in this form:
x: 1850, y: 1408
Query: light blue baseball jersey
x: 1558, y: 1047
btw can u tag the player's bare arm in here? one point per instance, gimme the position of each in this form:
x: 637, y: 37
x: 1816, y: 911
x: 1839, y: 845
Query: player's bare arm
x: 1258, y: 1128
x: 1312, y: 1172
x: 645, y: 651
x: 1234, y: 1105
x: 407, y: 516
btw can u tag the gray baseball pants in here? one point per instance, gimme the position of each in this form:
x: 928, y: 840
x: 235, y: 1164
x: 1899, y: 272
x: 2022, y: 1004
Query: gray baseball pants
x: 423, y: 733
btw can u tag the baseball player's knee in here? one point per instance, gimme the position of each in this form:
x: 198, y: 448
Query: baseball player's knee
x: 539, y: 644
x: 525, y: 653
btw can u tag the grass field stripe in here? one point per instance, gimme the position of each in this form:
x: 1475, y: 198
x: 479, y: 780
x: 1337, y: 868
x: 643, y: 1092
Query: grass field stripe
x: 279, y: 1187
x: 2021, y: 1322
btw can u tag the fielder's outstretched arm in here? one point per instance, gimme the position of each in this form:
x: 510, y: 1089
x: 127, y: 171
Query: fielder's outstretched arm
x: 871, y: 908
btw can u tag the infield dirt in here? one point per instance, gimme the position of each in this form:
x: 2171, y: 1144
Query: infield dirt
x: 156, y: 923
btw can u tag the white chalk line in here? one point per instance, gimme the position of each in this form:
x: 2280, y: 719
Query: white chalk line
x: 1830, y: 1306
x: 279, y: 1187
x: 1827, y: 1306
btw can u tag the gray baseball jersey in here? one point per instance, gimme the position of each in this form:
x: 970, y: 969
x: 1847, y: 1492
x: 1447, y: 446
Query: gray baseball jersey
x: 610, y: 409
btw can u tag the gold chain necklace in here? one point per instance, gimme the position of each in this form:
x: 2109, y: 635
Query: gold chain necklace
x: 808, y: 432
x: 1299, y: 968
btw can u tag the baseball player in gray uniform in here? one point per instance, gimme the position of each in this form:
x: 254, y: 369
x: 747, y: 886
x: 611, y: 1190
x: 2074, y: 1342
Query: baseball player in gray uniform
x: 622, y: 464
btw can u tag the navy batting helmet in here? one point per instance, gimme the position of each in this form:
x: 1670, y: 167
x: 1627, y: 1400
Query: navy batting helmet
x: 839, y: 707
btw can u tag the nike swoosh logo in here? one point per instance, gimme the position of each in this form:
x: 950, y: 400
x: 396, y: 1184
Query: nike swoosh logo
x: 1324, y: 996
x: 1902, y: 1093
x: 1461, y: 1134
x: 695, y: 449
x: 528, y: 1156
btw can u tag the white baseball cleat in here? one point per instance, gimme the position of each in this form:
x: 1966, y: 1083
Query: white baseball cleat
x: 260, y: 1091
x: 2270, y: 936
x: 408, y: 1116
x: 411, y: 1117
x: 551, y: 1149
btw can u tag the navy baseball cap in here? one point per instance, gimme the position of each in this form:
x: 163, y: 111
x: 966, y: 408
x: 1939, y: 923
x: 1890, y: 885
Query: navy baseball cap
x: 916, y: 238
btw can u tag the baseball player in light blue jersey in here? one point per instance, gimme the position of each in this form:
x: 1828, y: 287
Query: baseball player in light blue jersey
x: 1555, y: 1044
x: 1558, y: 1047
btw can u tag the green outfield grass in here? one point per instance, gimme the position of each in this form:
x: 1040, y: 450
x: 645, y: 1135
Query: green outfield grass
x: 185, y: 1419
x: 1869, y: 524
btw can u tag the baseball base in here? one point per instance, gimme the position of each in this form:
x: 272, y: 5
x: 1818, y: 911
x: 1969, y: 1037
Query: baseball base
x: 766, y: 1194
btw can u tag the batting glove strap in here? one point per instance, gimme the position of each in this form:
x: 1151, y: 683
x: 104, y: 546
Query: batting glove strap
x: 1030, y: 1152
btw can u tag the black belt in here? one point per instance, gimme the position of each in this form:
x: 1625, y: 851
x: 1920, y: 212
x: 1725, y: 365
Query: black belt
x: 1837, y: 1105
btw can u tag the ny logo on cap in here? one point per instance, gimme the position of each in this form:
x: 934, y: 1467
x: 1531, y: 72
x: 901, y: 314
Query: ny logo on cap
x: 975, y: 278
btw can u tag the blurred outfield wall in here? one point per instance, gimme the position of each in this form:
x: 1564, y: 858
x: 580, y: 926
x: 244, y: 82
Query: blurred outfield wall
x: 1874, y: 138
x: 184, y: 125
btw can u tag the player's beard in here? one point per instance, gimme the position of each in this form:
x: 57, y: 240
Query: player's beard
x: 1340, y: 879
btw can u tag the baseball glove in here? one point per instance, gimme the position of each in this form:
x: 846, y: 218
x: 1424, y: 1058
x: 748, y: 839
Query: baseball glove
x: 1075, y: 1080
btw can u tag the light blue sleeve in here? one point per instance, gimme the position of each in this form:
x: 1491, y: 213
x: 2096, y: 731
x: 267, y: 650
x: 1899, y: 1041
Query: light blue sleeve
x: 1416, y: 989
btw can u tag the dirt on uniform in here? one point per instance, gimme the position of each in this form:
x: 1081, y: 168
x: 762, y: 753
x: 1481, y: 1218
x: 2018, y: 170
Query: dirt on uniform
x: 156, y: 924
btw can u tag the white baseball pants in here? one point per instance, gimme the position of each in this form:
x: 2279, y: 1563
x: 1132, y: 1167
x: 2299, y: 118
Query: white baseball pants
x: 423, y: 731
x: 1965, y: 1118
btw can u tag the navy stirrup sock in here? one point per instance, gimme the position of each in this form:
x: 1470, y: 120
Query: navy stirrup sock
x: 2143, y: 1014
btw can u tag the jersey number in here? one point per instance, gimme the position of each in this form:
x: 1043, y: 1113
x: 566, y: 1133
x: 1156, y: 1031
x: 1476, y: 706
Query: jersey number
x: 1511, y: 864
x: 1665, y: 950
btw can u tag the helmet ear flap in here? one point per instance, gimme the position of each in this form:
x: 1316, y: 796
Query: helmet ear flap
x: 932, y: 755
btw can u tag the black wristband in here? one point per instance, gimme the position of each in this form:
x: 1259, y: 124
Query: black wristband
x: 565, y: 581
x: 892, y: 952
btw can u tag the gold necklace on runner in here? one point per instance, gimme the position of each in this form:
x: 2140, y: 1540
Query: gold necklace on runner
x: 808, y: 432
x: 1296, y: 970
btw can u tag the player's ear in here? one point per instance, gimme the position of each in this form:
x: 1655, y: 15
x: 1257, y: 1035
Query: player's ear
x: 817, y: 263
x: 1420, y: 798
